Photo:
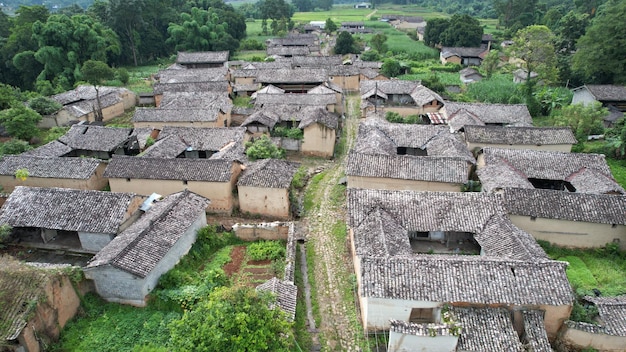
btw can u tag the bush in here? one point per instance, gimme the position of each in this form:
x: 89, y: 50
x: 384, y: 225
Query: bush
x: 264, y: 250
x: 293, y: 133
x: 14, y: 146
x: 122, y: 75
x: 55, y: 133
x: 394, y: 117
x: 44, y: 105
x: 263, y: 148
x: 370, y: 55
x: 251, y: 44
x: 300, y: 178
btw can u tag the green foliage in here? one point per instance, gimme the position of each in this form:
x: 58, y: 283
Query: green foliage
x: 330, y: 26
x: 552, y: 99
x: 300, y: 178
x: 251, y: 44
x: 279, y: 12
x: 22, y: 174
x: 370, y: 55
x: 618, y: 169
x: 309, y: 203
x: 294, y: 132
x: 14, y: 146
x: 345, y: 44
x: 378, y: 42
x: 462, y: 31
x: 500, y: 89
x: 601, y: 52
x: 44, y: 105
x: 94, y: 72
x: 149, y: 142
x: 233, y: 319
x: 391, y: 68
x: 583, y: 120
x: 266, y: 250
x: 201, y: 30
x: 5, y: 233
x: 490, y: 63
x: 535, y: 46
x: 515, y: 14
x: 394, y: 117
x: 585, y: 313
x: 20, y: 121
x: 123, y: 75
x: 263, y: 148
x: 243, y: 102
x: 432, y: 82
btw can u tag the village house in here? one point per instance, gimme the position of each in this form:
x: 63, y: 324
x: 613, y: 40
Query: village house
x: 403, y: 97
x: 287, y: 51
x: 80, y: 104
x: 521, y: 75
x: 327, y: 62
x: 532, y: 169
x: 459, y: 115
x: 347, y: 77
x: 130, y: 266
x: 295, y: 44
x: 61, y: 218
x: 298, y: 80
x: 558, y: 139
x: 202, y: 59
x: 100, y: 142
x: 195, y: 143
x: 76, y: 173
x: 37, y: 302
x: 610, y: 332
x: 353, y: 27
x: 610, y: 96
x: 286, y: 294
x: 326, y: 100
x: 263, y: 188
x: 158, y: 118
x: 179, y: 74
x: 331, y: 88
x: 212, y: 86
x: 199, y: 101
x: 470, y: 75
x: 566, y: 219
x: 462, y: 55
x: 319, y: 128
x: 214, y: 179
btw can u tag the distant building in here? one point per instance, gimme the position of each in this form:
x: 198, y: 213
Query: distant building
x: 363, y: 5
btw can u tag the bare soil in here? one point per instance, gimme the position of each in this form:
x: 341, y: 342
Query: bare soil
x: 236, y: 256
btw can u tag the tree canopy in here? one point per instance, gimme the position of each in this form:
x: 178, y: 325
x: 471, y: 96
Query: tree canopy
x: 201, y: 30
x: 345, y: 44
x: 458, y: 31
x: 534, y: 45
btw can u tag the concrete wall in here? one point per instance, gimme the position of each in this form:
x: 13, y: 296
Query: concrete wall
x: 319, y: 140
x: 545, y: 147
x: 115, y: 285
x: 575, y: 234
x: 273, y: 231
x: 578, y: 339
x: 95, y: 182
x: 398, y: 184
x: 94, y: 241
x: 272, y: 202
x: 410, y: 343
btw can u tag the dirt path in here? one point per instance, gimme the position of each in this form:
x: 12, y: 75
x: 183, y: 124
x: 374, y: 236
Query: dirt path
x: 339, y: 326
x: 371, y: 14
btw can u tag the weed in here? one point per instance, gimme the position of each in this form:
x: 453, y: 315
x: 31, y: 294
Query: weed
x: 309, y: 197
x: 263, y: 250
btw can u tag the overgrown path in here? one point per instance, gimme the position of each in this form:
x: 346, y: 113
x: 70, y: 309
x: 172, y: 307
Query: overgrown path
x: 371, y: 14
x: 339, y: 329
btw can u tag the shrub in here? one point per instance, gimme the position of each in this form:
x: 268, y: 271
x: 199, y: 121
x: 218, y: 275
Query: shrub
x: 55, y: 133
x: 263, y: 148
x: 44, y: 105
x: 149, y: 142
x: 122, y: 75
x: 293, y: 133
x: 394, y: 117
x: 14, y: 146
x: 264, y: 250
x: 300, y: 178
x: 251, y: 44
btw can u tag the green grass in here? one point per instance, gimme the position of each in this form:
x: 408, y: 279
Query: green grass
x: 618, y: 169
x: 309, y: 202
x: 303, y: 337
x: 447, y: 78
x: 310, y: 262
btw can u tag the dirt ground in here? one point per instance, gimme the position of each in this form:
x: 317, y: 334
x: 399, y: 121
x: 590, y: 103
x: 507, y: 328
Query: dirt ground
x: 252, y: 272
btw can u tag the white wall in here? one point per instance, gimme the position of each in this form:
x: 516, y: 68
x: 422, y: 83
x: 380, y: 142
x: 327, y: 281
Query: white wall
x: 410, y: 343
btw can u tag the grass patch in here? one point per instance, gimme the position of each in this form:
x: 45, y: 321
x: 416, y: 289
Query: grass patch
x: 500, y: 89
x: 309, y: 202
x: 338, y: 195
x: 310, y: 262
x: 447, y: 78
x: 303, y: 337
x: 618, y: 169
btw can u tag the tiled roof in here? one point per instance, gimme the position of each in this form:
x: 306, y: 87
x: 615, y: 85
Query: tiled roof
x: 142, y: 134
x: 270, y: 89
x: 500, y: 174
x: 343, y: 70
x: 499, y: 238
x: 292, y: 40
x: 84, y: 107
x: 233, y: 151
x: 316, y: 61
x: 213, y: 86
x: 265, y: 65
x: 462, y: 51
x: 486, y: 330
x: 465, y: 279
x: 612, y: 312
x: 493, y: 113
x: 140, y: 248
x: 286, y: 294
x: 193, y: 75
x: 542, y: 203
x: 51, y: 149
x: 422, y: 95
x: 607, y: 92
x: 295, y: 99
x: 389, y: 86
x: 292, y: 76
x: 369, y: 72
x: 167, y: 147
x: 519, y: 135
x: 367, y: 64
x: 265, y: 117
x: 461, y: 118
x: 208, y: 170
x: 95, y: 138
x: 201, y: 57
x: 55, y: 167
x: 196, y: 100
x: 588, y: 180
x: 288, y: 50
x: 268, y: 173
x: 449, y: 145
x: 535, y: 331
x: 381, y: 235
x: 66, y: 209
x: 84, y: 92
x: 212, y: 139
x: 319, y: 115
x: 372, y: 140
x: 175, y: 115
x: 421, y: 329
x: 406, y: 167
x: 405, y: 135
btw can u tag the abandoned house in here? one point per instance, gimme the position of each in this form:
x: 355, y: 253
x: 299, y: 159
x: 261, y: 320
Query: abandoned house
x: 263, y: 188
x: 77, y: 173
x: 403, y: 97
x: 130, y: 266
x: 202, y: 59
x: 458, y: 115
x: 558, y: 139
x: 158, y: 118
x: 61, y: 218
x: 100, y: 142
x: 214, y: 179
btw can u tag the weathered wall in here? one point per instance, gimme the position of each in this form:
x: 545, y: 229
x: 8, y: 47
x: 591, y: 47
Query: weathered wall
x: 95, y: 182
x: 319, y: 140
x: 348, y: 83
x: 378, y: 311
x: 264, y: 231
x: 398, y: 184
x: 410, y: 343
x: 566, y: 233
x: 545, y: 147
x: 554, y: 318
x: 94, y: 241
x: 578, y: 339
x: 272, y: 202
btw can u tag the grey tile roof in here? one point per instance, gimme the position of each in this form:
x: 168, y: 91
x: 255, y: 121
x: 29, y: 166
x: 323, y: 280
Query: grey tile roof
x: 465, y: 279
x: 372, y: 140
x: 499, y: 238
x: 84, y: 107
x: 292, y: 40
x: 66, y: 209
x: 319, y: 115
x: 167, y: 147
x: 51, y: 149
x: 381, y: 235
x: 405, y: 135
x: 268, y: 173
x: 501, y: 174
x: 587, y: 180
x: 343, y: 70
x: 316, y: 61
x: 213, y: 86
x: 493, y: 113
x: 265, y: 65
x: 542, y: 203
x: 286, y: 294
x: 519, y: 135
x: 406, y: 167
x: 449, y: 145
x: 461, y: 118
x: 175, y: 115
x: 486, y: 330
x: 612, y: 312
x: 265, y: 117
x: 292, y: 76
x: 295, y: 99
x: 288, y: 50
x: 233, y: 151
x: 462, y: 51
x: 193, y: 75
x: 607, y: 92
x: 95, y: 138
x: 367, y: 64
x: 208, y: 170
x: 196, y: 100
x: 202, y: 57
x: 212, y: 139
x: 142, y: 134
x: 83, y: 92
x: 535, y: 331
x: 324, y: 89
x: 140, y: 248
x: 389, y: 86
x: 369, y: 72
x: 423, y: 329
x: 54, y: 167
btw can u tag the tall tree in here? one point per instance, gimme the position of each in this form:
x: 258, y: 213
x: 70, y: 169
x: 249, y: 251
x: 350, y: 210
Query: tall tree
x: 5, y: 27
x: 515, y: 13
x: 125, y: 18
x: 434, y: 30
x: 569, y: 28
x: 601, y: 54
x: 462, y: 31
x: 534, y: 45
x: 275, y: 10
x: 345, y: 44
x: 303, y: 5
x: 95, y: 72
x: 201, y: 30
x: 378, y: 42
x: 330, y: 26
x: 20, y: 121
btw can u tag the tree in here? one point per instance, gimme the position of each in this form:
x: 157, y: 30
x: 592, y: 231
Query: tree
x: 569, y: 28
x: 20, y: 121
x: 601, y: 54
x: 534, y: 45
x: 95, y: 72
x: 370, y: 55
x: 5, y: 26
x: 330, y: 26
x: 462, y: 31
x: 263, y: 148
x: 233, y: 319
x: 44, y: 105
x: 583, y: 120
x: 345, y: 44
x: 515, y: 13
x: 391, y: 68
x: 126, y: 20
x: 276, y: 10
x: 490, y: 62
x: 378, y: 42
x: 434, y: 30
x: 14, y: 146
x: 201, y: 30
x: 303, y: 5
x: 323, y: 4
